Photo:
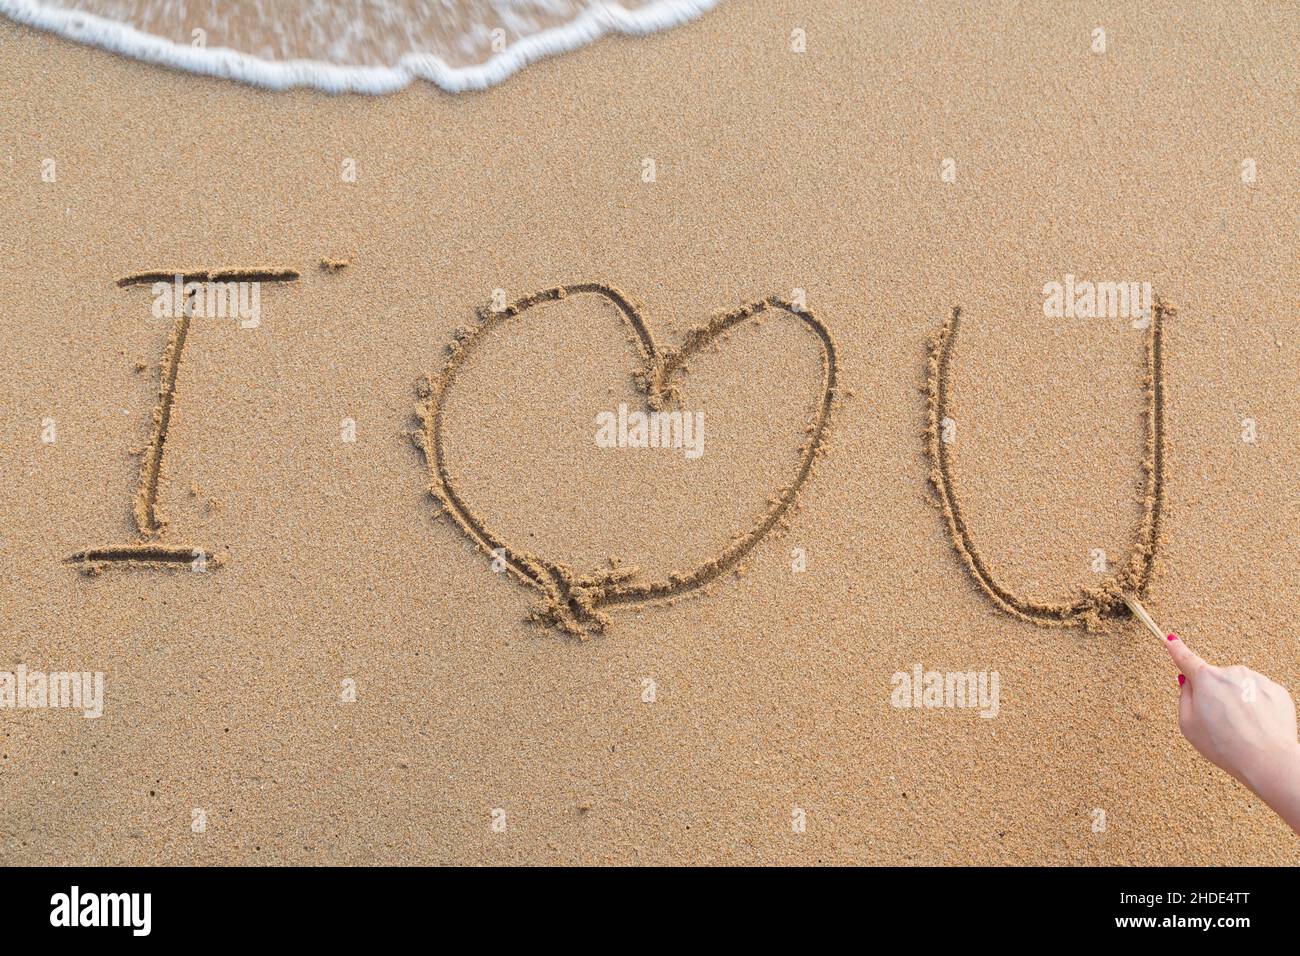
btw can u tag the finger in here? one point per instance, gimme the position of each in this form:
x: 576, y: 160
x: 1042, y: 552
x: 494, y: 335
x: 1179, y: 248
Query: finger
x: 1184, y: 704
x: 1186, y: 659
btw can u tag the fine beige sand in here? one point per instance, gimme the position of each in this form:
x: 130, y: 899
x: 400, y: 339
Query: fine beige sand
x: 689, y: 727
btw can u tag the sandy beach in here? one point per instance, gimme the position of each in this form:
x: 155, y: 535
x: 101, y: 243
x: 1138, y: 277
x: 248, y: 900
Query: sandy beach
x: 353, y: 681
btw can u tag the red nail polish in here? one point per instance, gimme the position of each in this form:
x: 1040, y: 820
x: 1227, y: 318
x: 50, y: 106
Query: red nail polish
x: 1171, y: 637
x: 1181, y: 680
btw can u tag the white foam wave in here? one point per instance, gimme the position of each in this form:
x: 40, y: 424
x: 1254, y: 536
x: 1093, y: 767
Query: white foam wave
x: 591, y: 22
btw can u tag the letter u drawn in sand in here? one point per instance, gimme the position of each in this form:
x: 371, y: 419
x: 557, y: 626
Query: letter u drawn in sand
x: 573, y: 601
x: 1091, y: 606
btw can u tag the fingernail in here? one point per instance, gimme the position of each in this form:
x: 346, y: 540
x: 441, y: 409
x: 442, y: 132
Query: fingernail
x: 1171, y: 637
x: 1182, y: 679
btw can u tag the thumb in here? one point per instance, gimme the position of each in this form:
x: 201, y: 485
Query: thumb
x: 1185, y: 659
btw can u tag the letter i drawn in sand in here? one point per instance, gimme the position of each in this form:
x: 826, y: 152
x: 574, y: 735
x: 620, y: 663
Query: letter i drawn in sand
x: 1120, y: 594
x: 150, y: 551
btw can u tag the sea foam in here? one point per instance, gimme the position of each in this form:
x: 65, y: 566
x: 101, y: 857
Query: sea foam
x: 356, y: 46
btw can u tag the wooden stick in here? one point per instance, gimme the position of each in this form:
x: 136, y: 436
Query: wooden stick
x: 1141, y: 614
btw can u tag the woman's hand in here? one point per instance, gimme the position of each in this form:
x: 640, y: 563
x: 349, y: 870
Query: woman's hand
x: 1243, y: 722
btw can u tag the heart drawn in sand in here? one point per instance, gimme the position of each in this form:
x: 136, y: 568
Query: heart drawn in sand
x: 573, y: 601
